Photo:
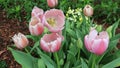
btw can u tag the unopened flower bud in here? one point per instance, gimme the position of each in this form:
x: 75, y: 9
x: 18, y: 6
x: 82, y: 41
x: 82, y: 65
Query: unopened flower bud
x: 88, y: 10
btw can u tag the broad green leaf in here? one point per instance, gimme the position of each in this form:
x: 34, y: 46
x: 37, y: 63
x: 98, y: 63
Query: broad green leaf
x: 113, y: 64
x: 47, y: 60
x: 116, y: 37
x: 115, y: 25
x: 109, y: 30
x: 84, y: 65
x: 41, y: 63
x: 35, y: 38
x: 26, y: 60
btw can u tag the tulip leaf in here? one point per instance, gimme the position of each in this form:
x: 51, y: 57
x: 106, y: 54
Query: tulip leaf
x: 41, y: 63
x: 35, y: 45
x: 84, y: 65
x: 71, y: 33
x: 67, y: 65
x: 115, y: 25
x: 113, y: 64
x: 26, y: 60
x: 35, y: 38
x: 116, y: 37
x: 47, y: 60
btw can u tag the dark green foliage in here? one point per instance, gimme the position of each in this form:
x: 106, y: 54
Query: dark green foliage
x: 3, y: 64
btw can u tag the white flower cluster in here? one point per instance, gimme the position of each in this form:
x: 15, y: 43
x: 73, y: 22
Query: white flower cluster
x: 74, y: 15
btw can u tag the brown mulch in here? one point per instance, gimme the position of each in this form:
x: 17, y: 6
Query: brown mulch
x: 9, y: 27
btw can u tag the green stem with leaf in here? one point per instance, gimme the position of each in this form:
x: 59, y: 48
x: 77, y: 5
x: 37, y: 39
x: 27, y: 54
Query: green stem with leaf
x: 57, y: 59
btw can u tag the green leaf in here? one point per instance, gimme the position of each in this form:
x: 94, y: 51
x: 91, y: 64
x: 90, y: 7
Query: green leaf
x: 71, y: 33
x: 26, y: 60
x: 35, y: 45
x: 35, y: 38
x: 113, y: 64
x: 115, y: 25
x: 67, y: 65
x: 116, y: 37
x: 41, y: 63
x: 47, y: 60
x: 84, y: 65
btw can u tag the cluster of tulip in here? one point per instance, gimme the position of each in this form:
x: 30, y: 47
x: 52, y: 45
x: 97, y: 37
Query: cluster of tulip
x: 54, y: 20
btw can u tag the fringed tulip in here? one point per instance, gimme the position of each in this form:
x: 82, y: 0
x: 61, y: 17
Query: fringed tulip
x: 36, y: 26
x: 51, y: 42
x: 88, y: 10
x: 52, y: 3
x: 20, y: 40
x: 55, y: 20
x: 37, y: 11
x: 97, y: 43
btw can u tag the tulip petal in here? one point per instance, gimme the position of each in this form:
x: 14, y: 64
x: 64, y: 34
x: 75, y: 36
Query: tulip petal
x: 20, y: 40
x: 36, y: 26
x: 51, y: 42
x: 55, y: 20
x: 100, y: 46
x: 93, y: 34
x: 37, y: 11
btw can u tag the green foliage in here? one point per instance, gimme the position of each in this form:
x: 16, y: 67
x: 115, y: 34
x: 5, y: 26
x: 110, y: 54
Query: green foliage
x: 107, y: 11
x: 26, y: 60
x: 3, y: 64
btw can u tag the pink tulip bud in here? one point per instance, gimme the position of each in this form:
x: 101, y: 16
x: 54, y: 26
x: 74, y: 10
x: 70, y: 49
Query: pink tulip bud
x: 20, y: 40
x: 52, y: 3
x: 88, y: 10
x: 55, y: 20
x: 37, y: 11
x: 97, y: 43
x: 36, y: 26
x: 51, y: 42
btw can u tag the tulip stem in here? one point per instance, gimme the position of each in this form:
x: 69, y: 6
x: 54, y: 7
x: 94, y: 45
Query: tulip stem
x: 26, y: 50
x: 79, y: 54
x: 92, y: 61
x: 57, y: 59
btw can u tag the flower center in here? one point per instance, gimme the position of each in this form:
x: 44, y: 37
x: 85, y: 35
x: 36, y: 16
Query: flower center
x: 51, y: 21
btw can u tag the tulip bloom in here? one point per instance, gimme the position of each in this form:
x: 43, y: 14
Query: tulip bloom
x: 88, y: 10
x: 20, y: 40
x: 36, y: 26
x: 51, y: 42
x: 54, y: 20
x: 52, y: 3
x: 37, y: 11
x: 97, y: 43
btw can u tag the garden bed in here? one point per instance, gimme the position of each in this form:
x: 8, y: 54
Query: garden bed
x: 9, y: 27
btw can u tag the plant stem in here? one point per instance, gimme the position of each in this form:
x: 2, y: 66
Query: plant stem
x: 79, y: 54
x: 27, y: 51
x: 92, y: 61
x: 57, y: 59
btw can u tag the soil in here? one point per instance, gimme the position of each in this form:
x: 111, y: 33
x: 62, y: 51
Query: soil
x: 9, y: 27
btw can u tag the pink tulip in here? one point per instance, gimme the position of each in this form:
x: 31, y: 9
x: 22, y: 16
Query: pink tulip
x: 97, y: 43
x: 51, y: 42
x: 20, y: 40
x: 88, y: 10
x: 37, y: 11
x: 55, y: 20
x: 36, y: 26
x: 52, y: 3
